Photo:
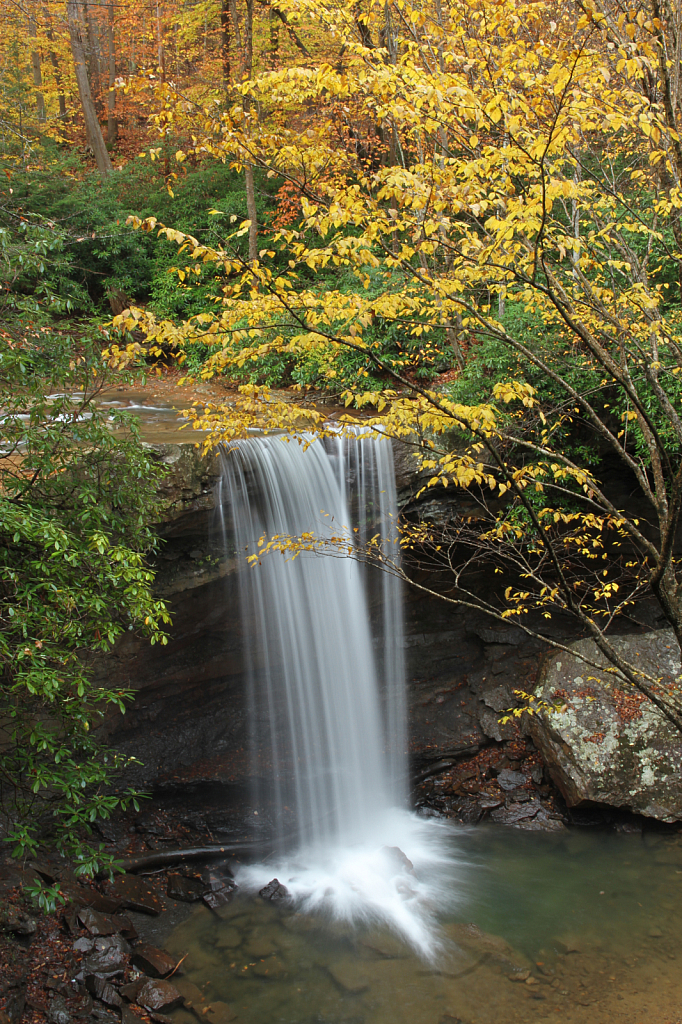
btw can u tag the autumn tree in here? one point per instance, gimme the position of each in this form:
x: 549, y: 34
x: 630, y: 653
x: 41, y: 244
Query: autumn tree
x: 523, y: 196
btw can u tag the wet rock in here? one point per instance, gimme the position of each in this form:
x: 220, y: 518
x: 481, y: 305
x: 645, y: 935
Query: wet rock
x: 489, y: 801
x: 217, y: 878
x: 132, y: 990
x: 606, y: 744
x: 101, y: 1015
x: 493, y: 728
x: 96, y: 923
x: 102, y: 990
x: 152, y: 961
x: 543, y: 821
x: 18, y: 921
x: 108, y: 958
x: 509, y: 780
x: 87, y: 897
x: 398, y: 858
x: 274, y: 890
x: 470, y: 812
x: 515, y: 813
x: 519, y: 975
x: 135, y: 894
x: 161, y: 995
x: 217, y: 898
x: 84, y: 945
x: 187, y: 890
x: 57, y: 1012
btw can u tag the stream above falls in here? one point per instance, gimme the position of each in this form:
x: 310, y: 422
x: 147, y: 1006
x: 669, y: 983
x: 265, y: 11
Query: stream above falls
x: 581, y: 926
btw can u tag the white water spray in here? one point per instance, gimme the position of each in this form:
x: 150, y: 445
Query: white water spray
x: 331, y: 713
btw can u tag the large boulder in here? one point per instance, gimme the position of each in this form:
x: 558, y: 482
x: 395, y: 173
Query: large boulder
x: 607, y: 744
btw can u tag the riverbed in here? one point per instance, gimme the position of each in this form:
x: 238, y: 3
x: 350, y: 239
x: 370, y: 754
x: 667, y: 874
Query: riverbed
x: 581, y: 926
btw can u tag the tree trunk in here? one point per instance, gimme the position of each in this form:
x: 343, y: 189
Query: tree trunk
x: 252, y: 212
x: 160, y: 56
x: 112, y: 125
x: 274, y: 36
x: 225, y: 40
x: 37, y: 74
x: 248, y: 170
x: 93, y: 68
x: 92, y: 128
x: 61, y: 99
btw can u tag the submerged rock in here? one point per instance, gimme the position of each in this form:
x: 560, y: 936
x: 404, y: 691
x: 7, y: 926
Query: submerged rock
x: 274, y: 890
x: 159, y: 995
x: 187, y: 890
x: 607, y: 744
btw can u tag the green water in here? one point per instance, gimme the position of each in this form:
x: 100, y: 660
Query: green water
x: 579, y: 926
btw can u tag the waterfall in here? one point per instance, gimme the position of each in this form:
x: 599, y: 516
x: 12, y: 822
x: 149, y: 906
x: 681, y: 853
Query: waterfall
x: 334, y: 710
x: 327, y: 682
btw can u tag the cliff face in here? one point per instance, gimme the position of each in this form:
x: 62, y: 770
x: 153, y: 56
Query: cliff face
x: 189, y: 723
x: 189, y: 719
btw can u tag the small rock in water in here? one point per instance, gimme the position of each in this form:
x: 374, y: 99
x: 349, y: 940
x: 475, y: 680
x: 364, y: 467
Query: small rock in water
x: 274, y: 890
x: 217, y: 898
x: 519, y: 976
x: 159, y: 995
x: 217, y: 878
x: 395, y: 854
x: 153, y: 961
x: 655, y: 933
x: 187, y: 890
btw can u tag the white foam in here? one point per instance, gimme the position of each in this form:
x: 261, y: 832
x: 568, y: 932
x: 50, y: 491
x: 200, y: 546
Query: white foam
x: 367, y: 884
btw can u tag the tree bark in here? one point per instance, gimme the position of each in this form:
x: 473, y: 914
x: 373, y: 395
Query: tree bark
x: 248, y: 170
x: 61, y: 99
x: 37, y: 74
x: 93, y: 68
x: 92, y: 128
x: 225, y: 40
x: 160, y: 55
x: 252, y: 212
x: 274, y: 36
x: 112, y: 124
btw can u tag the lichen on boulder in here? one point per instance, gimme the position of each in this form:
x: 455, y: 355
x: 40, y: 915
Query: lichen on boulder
x: 606, y: 743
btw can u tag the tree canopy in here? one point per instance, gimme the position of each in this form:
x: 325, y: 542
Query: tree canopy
x: 498, y: 178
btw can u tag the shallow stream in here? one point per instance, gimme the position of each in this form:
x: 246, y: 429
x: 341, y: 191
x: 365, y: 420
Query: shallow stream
x: 580, y: 926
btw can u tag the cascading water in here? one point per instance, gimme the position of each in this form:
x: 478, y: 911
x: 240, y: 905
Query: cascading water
x: 331, y: 713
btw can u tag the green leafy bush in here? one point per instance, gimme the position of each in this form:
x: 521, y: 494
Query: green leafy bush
x: 77, y: 505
